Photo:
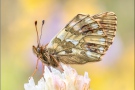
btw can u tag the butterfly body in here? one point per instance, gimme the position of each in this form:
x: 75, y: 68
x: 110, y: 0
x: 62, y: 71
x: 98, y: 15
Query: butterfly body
x: 84, y: 39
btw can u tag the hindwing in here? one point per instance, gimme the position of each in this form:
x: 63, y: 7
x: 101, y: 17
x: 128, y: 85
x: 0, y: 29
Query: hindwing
x: 84, y: 39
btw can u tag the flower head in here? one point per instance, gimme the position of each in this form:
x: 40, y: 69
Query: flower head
x: 55, y: 80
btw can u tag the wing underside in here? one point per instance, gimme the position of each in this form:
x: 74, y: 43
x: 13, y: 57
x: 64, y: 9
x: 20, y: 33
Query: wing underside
x: 84, y: 39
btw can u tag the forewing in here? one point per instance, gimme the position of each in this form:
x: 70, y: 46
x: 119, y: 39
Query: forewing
x: 84, y: 39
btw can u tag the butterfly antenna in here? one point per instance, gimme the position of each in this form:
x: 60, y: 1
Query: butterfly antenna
x: 42, y: 29
x: 37, y: 33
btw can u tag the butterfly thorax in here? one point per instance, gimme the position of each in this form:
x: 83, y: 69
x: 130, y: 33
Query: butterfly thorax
x: 46, y: 58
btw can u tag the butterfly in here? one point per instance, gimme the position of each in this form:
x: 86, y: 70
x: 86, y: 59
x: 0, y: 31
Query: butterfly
x: 84, y: 39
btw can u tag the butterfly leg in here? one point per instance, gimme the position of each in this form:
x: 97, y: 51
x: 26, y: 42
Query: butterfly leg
x: 35, y: 68
x: 60, y: 68
x: 43, y: 68
x: 59, y: 65
x: 56, y: 61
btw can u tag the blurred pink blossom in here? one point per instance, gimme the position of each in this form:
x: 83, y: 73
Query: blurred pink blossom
x: 53, y: 79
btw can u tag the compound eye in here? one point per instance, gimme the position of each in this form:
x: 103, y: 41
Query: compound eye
x: 38, y: 50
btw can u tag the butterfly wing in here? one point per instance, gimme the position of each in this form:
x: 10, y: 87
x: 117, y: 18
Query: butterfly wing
x: 84, y: 39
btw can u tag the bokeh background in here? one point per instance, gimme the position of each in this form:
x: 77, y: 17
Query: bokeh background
x: 18, y: 34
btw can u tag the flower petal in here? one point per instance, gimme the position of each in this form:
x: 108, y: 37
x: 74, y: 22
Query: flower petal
x: 56, y: 80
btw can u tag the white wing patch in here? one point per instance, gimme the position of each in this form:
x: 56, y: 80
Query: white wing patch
x: 76, y: 28
x: 92, y: 54
x: 73, y: 41
x: 72, y: 24
x: 88, y: 53
x: 95, y: 25
x: 100, y: 32
x: 89, y: 20
x: 76, y: 51
x: 62, y: 53
x: 62, y: 35
x: 102, y: 40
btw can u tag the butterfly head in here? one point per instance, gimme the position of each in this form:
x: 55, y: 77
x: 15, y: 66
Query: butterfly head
x: 37, y: 50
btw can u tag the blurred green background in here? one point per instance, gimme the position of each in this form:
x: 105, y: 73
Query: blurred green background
x: 114, y: 72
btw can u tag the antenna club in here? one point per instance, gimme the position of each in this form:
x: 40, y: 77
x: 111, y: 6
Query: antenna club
x: 43, y: 22
x: 35, y: 23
